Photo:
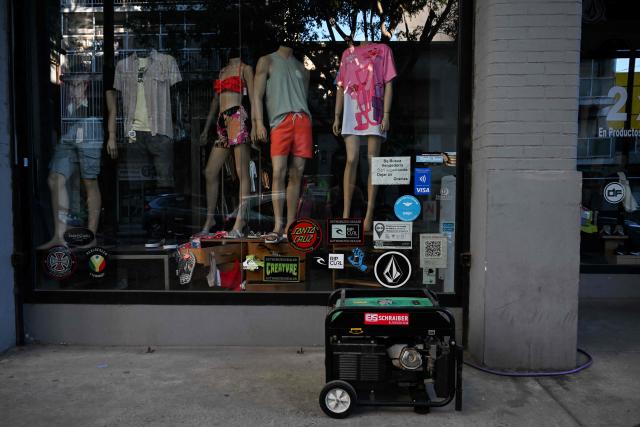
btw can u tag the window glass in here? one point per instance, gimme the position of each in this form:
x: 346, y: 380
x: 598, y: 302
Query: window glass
x: 608, y: 139
x: 254, y: 146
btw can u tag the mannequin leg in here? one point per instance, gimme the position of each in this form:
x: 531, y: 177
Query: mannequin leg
x: 373, y: 145
x: 60, y: 208
x: 352, y: 144
x: 279, y: 164
x: 212, y: 178
x: 241, y: 153
x: 94, y: 203
x: 296, y: 170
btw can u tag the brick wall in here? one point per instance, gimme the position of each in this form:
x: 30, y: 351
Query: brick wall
x: 525, y: 187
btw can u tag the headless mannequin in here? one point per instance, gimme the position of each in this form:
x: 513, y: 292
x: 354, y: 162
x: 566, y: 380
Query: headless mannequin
x: 352, y: 144
x: 58, y: 185
x: 222, y: 102
x: 280, y: 163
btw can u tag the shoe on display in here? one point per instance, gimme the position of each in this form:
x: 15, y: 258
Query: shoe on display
x: 186, y: 265
x: 606, y: 230
x: 170, y: 244
x: 154, y: 243
x: 619, y: 231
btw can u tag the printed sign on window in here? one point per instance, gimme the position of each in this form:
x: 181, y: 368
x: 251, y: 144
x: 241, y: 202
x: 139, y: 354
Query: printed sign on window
x: 391, y: 170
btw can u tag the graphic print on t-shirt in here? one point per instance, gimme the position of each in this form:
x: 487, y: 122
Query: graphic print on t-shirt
x: 364, y: 71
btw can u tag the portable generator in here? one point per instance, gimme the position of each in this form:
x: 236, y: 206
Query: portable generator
x: 387, y: 347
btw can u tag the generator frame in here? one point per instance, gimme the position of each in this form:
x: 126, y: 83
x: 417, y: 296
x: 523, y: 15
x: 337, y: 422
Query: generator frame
x: 343, y: 322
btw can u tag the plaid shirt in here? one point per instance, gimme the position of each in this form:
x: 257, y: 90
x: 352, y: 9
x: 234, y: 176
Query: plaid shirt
x: 162, y: 73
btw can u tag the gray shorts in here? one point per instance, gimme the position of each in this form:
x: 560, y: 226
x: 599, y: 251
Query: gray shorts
x: 69, y: 156
x: 157, y: 148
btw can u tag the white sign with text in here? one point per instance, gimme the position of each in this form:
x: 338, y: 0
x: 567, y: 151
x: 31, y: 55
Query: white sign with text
x: 391, y: 170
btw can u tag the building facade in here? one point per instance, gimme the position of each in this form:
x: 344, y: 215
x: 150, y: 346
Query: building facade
x: 191, y: 173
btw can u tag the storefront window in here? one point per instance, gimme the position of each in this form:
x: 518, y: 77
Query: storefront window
x: 609, y: 137
x: 251, y: 146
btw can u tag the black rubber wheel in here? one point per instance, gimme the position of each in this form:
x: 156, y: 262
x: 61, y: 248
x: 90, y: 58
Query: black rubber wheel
x: 337, y: 399
x: 422, y: 409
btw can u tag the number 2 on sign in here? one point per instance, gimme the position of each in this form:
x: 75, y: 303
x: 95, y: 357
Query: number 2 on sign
x: 615, y: 112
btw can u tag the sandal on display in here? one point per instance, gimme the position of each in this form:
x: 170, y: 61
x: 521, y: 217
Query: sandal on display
x: 274, y: 237
x: 235, y: 234
x: 220, y: 235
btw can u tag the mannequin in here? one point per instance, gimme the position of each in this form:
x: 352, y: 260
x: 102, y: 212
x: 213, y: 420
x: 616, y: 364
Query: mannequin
x: 144, y: 80
x: 80, y: 147
x: 235, y: 80
x: 286, y: 83
x: 363, y: 105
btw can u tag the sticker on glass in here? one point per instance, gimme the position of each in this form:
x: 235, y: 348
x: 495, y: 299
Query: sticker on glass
x: 390, y: 170
x: 433, y: 250
x: 392, y: 235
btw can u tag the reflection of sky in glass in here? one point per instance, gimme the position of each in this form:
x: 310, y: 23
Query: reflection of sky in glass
x: 622, y: 65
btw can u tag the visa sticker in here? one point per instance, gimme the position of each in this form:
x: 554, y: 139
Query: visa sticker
x: 422, y: 181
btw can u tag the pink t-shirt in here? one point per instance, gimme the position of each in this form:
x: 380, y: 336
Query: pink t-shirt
x: 363, y: 72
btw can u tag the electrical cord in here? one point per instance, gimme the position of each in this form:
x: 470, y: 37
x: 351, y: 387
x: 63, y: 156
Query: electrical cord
x: 577, y: 369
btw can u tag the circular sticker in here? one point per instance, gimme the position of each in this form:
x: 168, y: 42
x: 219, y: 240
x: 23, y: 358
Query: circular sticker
x: 392, y: 269
x: 614, y: 193
x: 59, y: 263
x: 304, y: 235
x: 97, y: 261
x: 78, y: 236
x: 407, y: 208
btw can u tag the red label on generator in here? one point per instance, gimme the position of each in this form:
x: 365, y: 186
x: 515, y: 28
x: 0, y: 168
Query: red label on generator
x: 395, y: 319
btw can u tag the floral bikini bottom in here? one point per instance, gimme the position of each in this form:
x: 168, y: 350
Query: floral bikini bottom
x: 232, y: 127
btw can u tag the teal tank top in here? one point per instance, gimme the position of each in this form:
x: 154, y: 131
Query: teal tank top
x: 286, y: 89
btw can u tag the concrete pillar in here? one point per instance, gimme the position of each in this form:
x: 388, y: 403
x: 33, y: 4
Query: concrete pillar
x: 525, y: 193
x: 7, y: 310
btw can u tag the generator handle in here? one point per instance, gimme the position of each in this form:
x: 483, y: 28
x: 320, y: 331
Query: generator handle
x: 343, y: 293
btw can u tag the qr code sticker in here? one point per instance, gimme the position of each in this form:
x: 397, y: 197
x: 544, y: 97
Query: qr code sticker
x: 433, y: 249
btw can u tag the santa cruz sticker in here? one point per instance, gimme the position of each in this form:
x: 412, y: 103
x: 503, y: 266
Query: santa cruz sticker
x: 394, y: 319
x: 59, y: 263
x: 97, y: 261
x: 304, y: 235
x: 392, y: 269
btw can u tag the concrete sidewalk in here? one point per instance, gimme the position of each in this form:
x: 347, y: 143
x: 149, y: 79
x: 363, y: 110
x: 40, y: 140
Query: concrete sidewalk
x: 241, y: 386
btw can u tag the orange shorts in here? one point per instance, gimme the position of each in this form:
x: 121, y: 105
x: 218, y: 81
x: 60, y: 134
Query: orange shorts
x: 293, y: 136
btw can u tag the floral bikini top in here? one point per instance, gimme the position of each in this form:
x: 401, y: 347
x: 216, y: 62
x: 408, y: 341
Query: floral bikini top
x: 231, y: 84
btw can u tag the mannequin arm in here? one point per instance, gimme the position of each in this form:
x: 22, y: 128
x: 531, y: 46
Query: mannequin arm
x: 259, y: 88
x: 337, y: 119
x: 112, y: 147
x: 388, y: 99
x: 213, y: 109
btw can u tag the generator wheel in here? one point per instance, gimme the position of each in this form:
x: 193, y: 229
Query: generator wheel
x: 337, y: 399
